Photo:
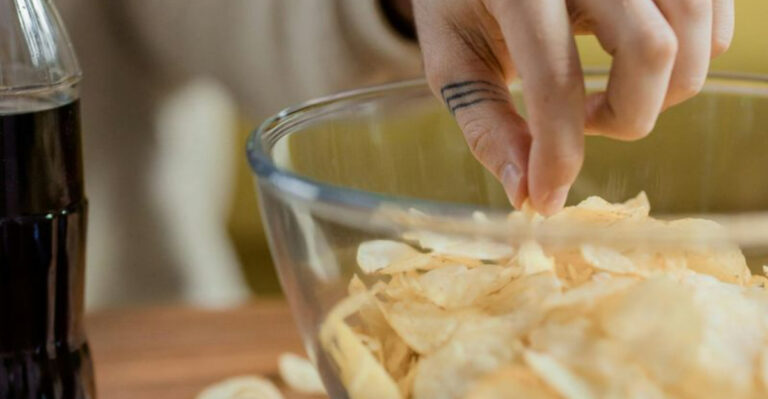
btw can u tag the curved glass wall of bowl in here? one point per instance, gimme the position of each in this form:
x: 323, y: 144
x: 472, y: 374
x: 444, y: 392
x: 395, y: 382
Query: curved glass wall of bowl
x: 389, y: 163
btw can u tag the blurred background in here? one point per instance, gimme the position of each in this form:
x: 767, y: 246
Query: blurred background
x: 173, y: 88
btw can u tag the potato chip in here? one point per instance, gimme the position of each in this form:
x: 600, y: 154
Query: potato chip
x: 461, y: 247
x: 481, y: 250
x: 476, y: 326
x: 458, y: 286
x: 574, y: 275
x: 479, y: 217
x: 764, y: 369
x: 759, y: 297
x: 602, y: 364
x: 726, y: 263
x: 423, y: 326
x: 638, y: 207
x: 244, y: 387
x: 511, y: 382
x: 372, y: 320
x: 589, y: 294
x: 658, y: 321
x: 570, y: 266
x: 405, y: 383
x: 356, y: 286
x: 373, y: 344
x: 452, y: 370
x: 525, y: 294
x: 732, y: 334
x: 428, y: 262
x: 299, y: 374
x: 360, y: 372
x: 558, y: 376
x: 432, y: 241
x: 350, y: 305
x: 610, y: 260
x: 659, y: 261
x: 758, y: 281
x: 598, y: 212
x: 381, y: 340
x: 359, y: 369
x: 532, y: 259
x: 612, y: 374
x: 527, y: 216
x: 632, y: 382
x: 403, y: 286
x: 565, y: 336
x: 397, y: 355
x: 373, y: 256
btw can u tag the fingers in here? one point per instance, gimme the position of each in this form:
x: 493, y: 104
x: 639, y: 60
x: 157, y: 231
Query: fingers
x: 723, y: 21
x: 466, y: 73
x: 691, y: 20
x: 539, y: 38
x: 661, y: 51
x: 644, y: 49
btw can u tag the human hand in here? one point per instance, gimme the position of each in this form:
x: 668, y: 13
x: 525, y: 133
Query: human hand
x: 474, y: 48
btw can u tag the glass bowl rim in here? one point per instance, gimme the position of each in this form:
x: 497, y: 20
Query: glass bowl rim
x: 747, y: 229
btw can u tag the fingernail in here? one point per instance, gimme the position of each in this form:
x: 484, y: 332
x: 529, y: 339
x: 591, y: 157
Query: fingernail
x: 510, y: 179
x: 556, y: 199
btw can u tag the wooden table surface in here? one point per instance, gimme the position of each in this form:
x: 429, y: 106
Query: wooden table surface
x: 173, y: 352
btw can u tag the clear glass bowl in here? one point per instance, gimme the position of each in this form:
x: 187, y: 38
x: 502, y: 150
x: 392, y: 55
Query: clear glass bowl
x: 347, y: 168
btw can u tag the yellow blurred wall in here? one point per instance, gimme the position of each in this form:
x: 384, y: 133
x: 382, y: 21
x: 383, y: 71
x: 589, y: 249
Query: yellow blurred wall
x: 748, y: 53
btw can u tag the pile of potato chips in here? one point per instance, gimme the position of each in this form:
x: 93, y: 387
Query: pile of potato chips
x: 435, y: 316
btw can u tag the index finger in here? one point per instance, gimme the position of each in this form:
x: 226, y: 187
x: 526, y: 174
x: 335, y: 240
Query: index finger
x: 469, y: 76
x: 539, y: 38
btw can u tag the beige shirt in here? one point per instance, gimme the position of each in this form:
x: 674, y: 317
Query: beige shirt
x: 157, y: 169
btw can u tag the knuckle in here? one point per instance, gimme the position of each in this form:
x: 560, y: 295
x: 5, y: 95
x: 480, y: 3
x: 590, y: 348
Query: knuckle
x: 625, y: 124
x: 655, y: 46
x: 566, y: 159
x: 634, y: 130
x: 683, y: 89
x: 555, y: 85
x: 560, y: 76
x: 692, y: 8
x: 720, y: 44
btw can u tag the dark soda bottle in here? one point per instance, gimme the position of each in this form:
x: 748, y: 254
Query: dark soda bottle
x: 43, y: 209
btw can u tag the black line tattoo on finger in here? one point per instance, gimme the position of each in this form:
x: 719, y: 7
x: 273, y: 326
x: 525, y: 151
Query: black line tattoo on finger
x: 457, y: 85
x: 464, y: 94
x: 475, y: 102
x: 470, y: 92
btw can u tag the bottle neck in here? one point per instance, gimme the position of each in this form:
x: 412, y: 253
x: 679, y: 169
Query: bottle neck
x: 38, y: 66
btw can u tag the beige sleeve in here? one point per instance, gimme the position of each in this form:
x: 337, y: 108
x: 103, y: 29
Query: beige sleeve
x: 272, y: 53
